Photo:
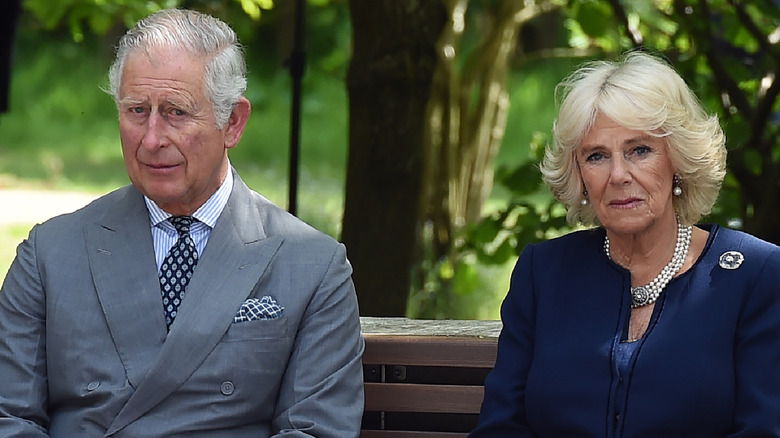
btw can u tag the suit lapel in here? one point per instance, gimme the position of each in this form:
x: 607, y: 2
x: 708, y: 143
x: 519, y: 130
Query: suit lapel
x: 237, y: 254
x: 125, y: 278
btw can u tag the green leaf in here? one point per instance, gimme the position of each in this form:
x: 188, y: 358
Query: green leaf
x: 466, y: 279
x: 100, y: 23
x: 522, y: 180
x: 753, y: 161
x: 594, y: 17
x: 74, y: 23
x: 253, y: 8
x: 49, y: 13
x: 484, y: 231
x: 446, y: 270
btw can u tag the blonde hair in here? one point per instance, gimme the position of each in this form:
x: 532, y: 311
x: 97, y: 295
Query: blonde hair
x: 641, y: 92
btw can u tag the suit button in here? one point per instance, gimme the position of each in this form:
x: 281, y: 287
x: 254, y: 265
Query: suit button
x: 93, y: 385
x: 227, y: 387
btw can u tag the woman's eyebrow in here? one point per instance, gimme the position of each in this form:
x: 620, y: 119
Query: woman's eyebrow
x: 639, y: 139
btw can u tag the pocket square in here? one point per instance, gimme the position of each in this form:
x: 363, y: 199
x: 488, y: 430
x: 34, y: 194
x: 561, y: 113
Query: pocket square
x: 262, y: 308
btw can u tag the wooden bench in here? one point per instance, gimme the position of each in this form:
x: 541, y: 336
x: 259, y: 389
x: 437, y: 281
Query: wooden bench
x: 425, y: 378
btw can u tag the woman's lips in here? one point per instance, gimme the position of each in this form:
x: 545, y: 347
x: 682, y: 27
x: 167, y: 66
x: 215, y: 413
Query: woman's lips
x: 625, y: 203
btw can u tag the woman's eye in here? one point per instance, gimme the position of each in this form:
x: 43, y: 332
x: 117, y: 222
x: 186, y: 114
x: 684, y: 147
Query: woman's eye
x: 596, y: 156
x: 642, y: 150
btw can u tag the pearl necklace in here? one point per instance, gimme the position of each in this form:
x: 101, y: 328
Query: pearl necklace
x: 644, y: 295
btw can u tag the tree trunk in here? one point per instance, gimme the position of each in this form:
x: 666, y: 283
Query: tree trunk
x: 466, y: 124
x: 389, y: 85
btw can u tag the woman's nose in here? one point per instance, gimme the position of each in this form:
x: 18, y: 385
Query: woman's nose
x: 620, y: 172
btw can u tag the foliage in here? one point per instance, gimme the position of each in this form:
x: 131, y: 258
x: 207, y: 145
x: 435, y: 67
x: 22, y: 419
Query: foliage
x: 727, y: 52
x: 530, y: 215
x: 467, y: 116
x: 61, y: 132
x: 99, y: 16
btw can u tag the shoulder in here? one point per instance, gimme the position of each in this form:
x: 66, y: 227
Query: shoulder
x: 736, y: 257
x: 574, y: 244
x: 561, y: 258
x: 742, y: 240
x: 276, y: 221
x: 95, y: 210
x: 728, y: 242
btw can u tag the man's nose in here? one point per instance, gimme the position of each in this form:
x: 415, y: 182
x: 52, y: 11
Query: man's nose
x: 155, y: 131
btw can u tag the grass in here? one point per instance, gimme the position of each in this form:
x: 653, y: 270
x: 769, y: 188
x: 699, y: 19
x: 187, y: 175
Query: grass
x: 61, y: 133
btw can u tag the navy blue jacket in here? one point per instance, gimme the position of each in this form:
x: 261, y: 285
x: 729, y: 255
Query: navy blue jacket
x: 708, y: 365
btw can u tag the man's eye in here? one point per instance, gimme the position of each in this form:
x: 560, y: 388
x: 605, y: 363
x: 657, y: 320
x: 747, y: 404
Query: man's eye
x: 137, y: 110
x: 177, y: 112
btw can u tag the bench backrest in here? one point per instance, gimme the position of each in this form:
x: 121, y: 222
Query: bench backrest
x: 422, y: 384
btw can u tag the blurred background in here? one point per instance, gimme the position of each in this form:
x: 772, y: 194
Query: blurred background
x: 421, y: 123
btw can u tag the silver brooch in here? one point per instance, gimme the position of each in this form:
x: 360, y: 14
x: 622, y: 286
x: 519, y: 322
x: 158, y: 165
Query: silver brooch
x: 731, y: 260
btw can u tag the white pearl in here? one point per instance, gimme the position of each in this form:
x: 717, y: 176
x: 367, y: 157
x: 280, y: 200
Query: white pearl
x: 657, y: 285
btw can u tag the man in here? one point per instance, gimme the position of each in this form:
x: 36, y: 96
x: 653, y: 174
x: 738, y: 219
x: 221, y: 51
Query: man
x: 246, y: 326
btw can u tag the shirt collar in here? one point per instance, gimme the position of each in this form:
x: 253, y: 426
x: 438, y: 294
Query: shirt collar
x: 208, y: 213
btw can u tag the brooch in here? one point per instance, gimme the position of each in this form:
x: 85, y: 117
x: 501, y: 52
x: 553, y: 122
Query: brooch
x: 731, y: 260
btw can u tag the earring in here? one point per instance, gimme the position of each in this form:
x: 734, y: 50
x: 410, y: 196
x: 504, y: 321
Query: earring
x: 676, y: 181
x: 584, y: 200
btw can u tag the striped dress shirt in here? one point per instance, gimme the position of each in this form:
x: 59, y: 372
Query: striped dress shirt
x: 165, y: 235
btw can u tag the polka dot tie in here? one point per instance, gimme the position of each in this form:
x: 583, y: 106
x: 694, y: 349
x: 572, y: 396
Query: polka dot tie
x: 177, y: 268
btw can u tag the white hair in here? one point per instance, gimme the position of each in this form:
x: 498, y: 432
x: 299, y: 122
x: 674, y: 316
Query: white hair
x: 200, y: 35
x: 640, y: 92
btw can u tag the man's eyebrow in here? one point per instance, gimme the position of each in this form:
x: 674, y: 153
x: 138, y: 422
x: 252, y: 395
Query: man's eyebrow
x: 183, y: 103
x: 128, y: 101
x: 178, y: 103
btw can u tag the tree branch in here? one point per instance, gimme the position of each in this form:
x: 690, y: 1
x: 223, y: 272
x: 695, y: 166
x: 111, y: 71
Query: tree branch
x: 722, y: 78
x: 753, y: 29
x: 637, y: 40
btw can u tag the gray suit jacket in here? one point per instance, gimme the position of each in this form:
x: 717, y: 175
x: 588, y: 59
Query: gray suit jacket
x: 83, y: 345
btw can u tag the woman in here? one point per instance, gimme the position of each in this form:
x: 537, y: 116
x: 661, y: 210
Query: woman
x: 646, y: 325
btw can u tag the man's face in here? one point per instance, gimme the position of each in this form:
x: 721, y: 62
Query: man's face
x: 173, y: 150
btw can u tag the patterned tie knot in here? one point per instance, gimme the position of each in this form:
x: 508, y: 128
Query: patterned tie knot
x: 182, y: 223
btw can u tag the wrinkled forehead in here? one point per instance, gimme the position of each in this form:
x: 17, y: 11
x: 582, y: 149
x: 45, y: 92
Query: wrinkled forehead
x: 162, y: 69
x: 631, y: 112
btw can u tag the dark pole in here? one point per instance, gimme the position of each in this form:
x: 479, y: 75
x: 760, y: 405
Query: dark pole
x: 297, y: 67
x: 8, y: 24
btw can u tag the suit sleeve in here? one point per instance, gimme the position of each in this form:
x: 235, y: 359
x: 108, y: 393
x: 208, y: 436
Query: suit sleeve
x: 503, y: 408
x: 23, y: 392
x: 757, y: 356
x: 322, y: 391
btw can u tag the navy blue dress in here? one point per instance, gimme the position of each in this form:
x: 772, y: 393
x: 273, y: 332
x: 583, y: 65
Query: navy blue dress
x: 707, y: 366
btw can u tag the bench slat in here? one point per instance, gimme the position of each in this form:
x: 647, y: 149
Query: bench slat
x: 413, y: 397
x: 460, y: 352
x: 409, y: 434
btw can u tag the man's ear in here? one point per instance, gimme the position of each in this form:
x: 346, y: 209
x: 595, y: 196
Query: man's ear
x: 236, y: 123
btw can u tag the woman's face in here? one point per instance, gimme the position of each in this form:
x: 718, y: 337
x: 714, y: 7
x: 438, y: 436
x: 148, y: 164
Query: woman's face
x: 628, y: 175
